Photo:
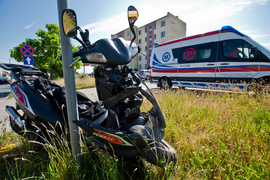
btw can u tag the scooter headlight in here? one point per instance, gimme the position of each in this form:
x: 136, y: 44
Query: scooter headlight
x: 95, y: 57
x: 134, y: 50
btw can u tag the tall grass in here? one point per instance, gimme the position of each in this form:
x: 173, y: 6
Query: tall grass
x: 81, y: 82
x: 217, y: 136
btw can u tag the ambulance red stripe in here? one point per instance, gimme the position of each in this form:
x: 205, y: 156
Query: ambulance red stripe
x: 212, y: 70
x: 190, y: 38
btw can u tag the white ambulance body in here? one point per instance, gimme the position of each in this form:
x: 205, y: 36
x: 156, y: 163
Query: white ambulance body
x: 218, y: 59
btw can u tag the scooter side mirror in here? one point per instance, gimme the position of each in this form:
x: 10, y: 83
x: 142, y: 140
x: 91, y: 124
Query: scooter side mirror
x: 132, y: 15
x: 132, y: 18
x: 69, y: 23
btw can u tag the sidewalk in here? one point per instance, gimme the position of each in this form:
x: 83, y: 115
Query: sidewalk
x: 91, y: 93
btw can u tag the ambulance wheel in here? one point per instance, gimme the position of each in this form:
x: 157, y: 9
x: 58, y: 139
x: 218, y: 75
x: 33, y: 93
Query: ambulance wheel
x: 259, y: 86
x: 165, y: 83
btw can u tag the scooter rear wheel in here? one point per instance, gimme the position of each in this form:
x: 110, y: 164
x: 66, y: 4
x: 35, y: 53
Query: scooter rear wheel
x: 15, y: 127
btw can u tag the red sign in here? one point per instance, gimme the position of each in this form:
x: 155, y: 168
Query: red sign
x: 27, y: 50
x: 189, y: 53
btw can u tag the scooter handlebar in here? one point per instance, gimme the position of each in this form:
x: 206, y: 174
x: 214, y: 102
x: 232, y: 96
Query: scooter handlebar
x: 75, y: 54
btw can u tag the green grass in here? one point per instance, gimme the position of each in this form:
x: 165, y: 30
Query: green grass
x: 216, y: 135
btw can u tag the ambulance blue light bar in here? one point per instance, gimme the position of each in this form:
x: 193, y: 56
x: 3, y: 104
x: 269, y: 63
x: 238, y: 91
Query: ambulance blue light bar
x: 230, y: 29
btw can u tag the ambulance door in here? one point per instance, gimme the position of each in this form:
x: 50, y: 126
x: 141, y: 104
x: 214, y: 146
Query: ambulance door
x: 234, y: 63
x: 197, y: 64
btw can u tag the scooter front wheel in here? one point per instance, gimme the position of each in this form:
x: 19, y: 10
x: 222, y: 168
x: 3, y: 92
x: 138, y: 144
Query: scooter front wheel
x: 159, y: 152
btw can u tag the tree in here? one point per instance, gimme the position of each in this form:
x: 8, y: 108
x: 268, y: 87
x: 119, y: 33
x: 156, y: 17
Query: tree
x: 47, y: 51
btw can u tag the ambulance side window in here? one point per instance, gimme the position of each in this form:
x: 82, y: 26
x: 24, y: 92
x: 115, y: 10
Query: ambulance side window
x: 204, y: 54
x: 236, y: 49
x: 195, y: 54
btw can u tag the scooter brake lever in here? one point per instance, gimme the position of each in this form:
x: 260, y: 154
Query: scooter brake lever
x: 71, y: 64
x: 142, y: 53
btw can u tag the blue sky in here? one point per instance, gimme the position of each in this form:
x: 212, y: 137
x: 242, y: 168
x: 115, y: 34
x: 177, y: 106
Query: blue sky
x: 20, y: 19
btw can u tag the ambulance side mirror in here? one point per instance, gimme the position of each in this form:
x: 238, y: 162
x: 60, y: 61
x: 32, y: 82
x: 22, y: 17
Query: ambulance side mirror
x: 254, y: 53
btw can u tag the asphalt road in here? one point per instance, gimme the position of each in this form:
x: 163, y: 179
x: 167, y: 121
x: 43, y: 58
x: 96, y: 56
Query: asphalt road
x: 4, y: 100
x: 4, y: 91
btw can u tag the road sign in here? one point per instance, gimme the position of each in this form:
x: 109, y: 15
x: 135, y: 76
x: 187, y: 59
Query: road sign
x: 27, y: 50
x: 28, y: 60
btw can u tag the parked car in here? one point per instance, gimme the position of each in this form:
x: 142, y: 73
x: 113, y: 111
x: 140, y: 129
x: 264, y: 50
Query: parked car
x: 4, y: 80
x: 144, y: 74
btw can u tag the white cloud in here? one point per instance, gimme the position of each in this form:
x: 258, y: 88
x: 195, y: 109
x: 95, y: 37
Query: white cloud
x: 267, y: 45
x: 112, y: 25
x: 261, y: 2
x: 29, y: 26
x: 200, y: 15
x: 259, y: 36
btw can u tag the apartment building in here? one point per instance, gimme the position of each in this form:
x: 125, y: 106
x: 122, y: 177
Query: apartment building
x: 161, y: 30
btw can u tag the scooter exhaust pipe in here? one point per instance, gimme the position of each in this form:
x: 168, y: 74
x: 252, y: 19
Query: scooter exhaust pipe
x: 15, y: 116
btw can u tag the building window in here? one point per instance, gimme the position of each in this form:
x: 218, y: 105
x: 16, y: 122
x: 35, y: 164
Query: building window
x: 145, y: 57
x: 145, y: 48
x: 150, y: 30
x: 139, y: 32
x: 163, y: 34
x: 140, y: 66
x: 128, y: 33
x: 162, y: 23
x: 145, y: 66
x: 145, y: 30
x: 155, y: 26
x: 155, y: 36
x: 140, y: 58
x: 145, y: 39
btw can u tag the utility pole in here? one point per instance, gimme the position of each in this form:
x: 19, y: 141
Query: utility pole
x: 70, y: 87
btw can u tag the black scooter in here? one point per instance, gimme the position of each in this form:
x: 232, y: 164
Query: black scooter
x: 115, y: 122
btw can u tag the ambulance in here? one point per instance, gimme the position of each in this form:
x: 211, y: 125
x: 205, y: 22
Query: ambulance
x: 224, y: 58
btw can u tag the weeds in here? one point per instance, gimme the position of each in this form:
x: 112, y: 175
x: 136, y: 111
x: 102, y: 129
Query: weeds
x: 216, y: 136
